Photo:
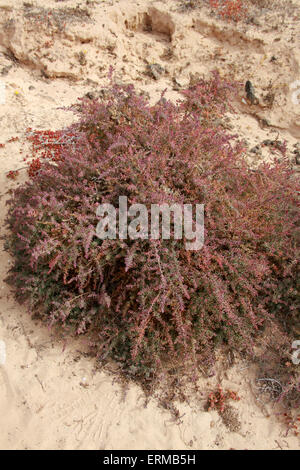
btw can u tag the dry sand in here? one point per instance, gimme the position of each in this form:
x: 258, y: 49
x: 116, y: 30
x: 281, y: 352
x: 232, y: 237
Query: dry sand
x: 51, y: 395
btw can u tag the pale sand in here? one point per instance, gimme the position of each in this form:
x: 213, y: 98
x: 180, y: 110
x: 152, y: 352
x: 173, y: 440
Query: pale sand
x: 51, y: 396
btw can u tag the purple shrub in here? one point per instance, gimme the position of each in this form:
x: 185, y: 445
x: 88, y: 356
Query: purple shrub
x: 147, y: 303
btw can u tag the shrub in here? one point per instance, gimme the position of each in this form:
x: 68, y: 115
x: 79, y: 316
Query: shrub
x: 151, y: 303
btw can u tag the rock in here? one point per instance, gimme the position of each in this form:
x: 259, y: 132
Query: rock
x: 179, y: 83
x: 273, y: 143
x: 5, y: 70
x: 155, y: 70
x: 250, y: 92
x: 81, y: 58
x: 104, y: 93
x: 145, y: 94
x: 90, y: 95
x: 255, y: 149
x: 254, y: 21
x: 296, y: 152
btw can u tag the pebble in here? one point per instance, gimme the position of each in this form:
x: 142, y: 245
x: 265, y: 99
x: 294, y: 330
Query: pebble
x: 255, y: 149
x: 90, y: 95
x: 179, y: 83
x: 155, y: 70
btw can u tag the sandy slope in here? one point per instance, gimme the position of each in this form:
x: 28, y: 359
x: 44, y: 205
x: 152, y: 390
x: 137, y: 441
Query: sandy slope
x: 51, y: 396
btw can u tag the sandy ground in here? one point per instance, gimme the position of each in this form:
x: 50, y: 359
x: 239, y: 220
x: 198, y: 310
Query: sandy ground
x: 51, y: 395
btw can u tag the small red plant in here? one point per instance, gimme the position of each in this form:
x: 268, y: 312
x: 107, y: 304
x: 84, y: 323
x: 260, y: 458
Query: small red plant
x: 13, y: 139
x: 217, y: 400
x: 229, y: 9
x: 12, y: 174
x: 46, y: 146
x: 34, y: 167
